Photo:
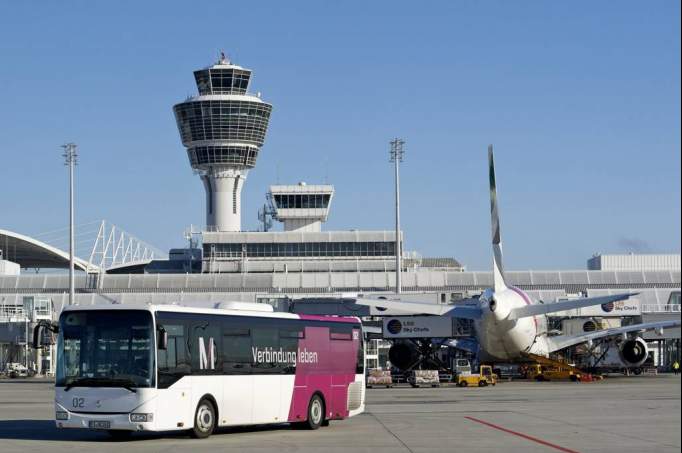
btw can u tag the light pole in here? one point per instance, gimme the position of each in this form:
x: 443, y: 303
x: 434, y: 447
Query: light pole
x: 397, y: 154
x: 26, y: 341
x: 70, y: 160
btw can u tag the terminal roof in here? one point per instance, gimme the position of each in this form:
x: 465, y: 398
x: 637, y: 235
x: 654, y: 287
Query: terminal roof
x: 32, y: 253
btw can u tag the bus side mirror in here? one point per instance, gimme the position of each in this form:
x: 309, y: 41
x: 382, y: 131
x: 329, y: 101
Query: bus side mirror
x: 163, y: 339
x: 37, y: 332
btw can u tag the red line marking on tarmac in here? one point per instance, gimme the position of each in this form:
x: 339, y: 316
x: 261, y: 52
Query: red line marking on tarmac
x: 525, y: 436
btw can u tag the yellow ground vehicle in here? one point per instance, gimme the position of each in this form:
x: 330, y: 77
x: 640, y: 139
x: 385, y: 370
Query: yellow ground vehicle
x: 483, y: 378
x: 551, y: 373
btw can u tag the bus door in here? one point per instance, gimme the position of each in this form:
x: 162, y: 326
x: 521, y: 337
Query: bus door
x: 173, y: 401
x: 238, y: 389
x: 267, y: 373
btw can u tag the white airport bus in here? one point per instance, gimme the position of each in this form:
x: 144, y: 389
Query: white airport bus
x: 125, y: 368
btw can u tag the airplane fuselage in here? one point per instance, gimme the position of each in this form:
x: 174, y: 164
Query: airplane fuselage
x: 502, y: 339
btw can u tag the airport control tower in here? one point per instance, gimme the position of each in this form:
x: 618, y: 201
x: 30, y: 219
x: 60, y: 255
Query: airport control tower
x: 301, y: 207
x: 223, y: 129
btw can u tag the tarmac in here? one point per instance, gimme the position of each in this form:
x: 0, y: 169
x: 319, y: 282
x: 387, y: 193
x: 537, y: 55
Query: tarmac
x: 619, y: 414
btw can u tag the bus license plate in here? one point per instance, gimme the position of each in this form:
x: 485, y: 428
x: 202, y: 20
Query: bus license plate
x: 98, y: 424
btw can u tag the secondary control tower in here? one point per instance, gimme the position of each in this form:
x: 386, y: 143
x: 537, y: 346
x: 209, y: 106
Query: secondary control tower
x: 223, y: 129
x: 301, y: 207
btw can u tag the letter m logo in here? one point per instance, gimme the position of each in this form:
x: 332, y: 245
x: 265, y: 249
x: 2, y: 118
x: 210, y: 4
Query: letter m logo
x: 207, y: 361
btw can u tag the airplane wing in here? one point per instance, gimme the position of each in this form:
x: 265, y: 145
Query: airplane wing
x: 464, y: 344
x: 563, y: 341
x: 419, y: 308
x: 541, y: 309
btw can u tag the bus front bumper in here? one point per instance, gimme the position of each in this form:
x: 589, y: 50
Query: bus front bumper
x: 104, y: 421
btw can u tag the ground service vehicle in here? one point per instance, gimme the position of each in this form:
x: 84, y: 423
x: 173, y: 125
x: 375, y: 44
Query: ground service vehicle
x: 419, y: 378
x: 124, y: 368
x: 379, y: 377
x: 462, y: 366
x: 483, y: 378
x: 17, y: 370
x: 548, y: 373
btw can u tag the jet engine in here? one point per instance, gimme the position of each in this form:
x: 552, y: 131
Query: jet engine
x: 633, y: 352
x: 403, y: 354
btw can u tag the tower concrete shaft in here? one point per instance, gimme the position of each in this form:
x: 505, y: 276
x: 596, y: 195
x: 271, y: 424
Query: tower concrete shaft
x: 223, y: 198
x: 223, y: 129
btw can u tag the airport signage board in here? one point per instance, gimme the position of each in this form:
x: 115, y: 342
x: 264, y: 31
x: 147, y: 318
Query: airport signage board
x: 628, y: 307
x: 417, y: 327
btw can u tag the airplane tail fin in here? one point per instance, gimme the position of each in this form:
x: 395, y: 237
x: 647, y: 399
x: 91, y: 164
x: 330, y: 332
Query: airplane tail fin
x: 498, y: 267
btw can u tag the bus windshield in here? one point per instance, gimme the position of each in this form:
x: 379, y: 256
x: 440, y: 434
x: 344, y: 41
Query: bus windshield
x: 105, y: 348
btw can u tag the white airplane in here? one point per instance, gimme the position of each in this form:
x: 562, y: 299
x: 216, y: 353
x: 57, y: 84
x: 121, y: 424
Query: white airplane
x: 510, y: 325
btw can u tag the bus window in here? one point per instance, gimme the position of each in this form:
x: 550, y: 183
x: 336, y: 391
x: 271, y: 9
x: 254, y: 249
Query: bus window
x: 173, y: 363
x: 106, y: 345
x: 236, y: 350
x: 360, y: 365
x: 341, y: 333
x: 289, y: 337
x: 265, y: 341
x: 204, y: 338
x: 291, y: 332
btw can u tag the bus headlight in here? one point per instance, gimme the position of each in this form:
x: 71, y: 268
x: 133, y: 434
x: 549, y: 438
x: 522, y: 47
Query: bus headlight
x: 61, y: 415
x: 141, y: 418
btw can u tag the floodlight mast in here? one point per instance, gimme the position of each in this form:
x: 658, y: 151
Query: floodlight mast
x: 397, y: 155
x: 70, y: 160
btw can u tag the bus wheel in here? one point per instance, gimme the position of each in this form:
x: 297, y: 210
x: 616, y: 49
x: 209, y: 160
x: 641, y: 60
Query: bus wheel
x: 204, y: 420
x: 315, y: 413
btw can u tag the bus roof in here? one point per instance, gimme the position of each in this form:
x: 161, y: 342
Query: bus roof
x: 174, y: 308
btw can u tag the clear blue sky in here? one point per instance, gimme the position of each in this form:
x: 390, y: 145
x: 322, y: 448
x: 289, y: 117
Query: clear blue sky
x: 581, y: 99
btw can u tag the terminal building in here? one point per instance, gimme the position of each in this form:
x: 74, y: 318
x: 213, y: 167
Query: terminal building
x: 300, y: 267
x: 634, y: 262
x: 302, y: 246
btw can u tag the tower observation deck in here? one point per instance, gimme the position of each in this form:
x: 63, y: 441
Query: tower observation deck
x: 223, y: 129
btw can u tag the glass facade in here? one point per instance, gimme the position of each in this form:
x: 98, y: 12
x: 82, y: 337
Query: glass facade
x: 244, y: 121
x: 222, y: 81
x: 203, y: 81
x: 302, y: 201
x: 298, y: 249
x: 231, y: 155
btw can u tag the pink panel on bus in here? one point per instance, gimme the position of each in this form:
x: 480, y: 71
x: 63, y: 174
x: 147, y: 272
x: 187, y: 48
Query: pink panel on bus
x: 323, y: 366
